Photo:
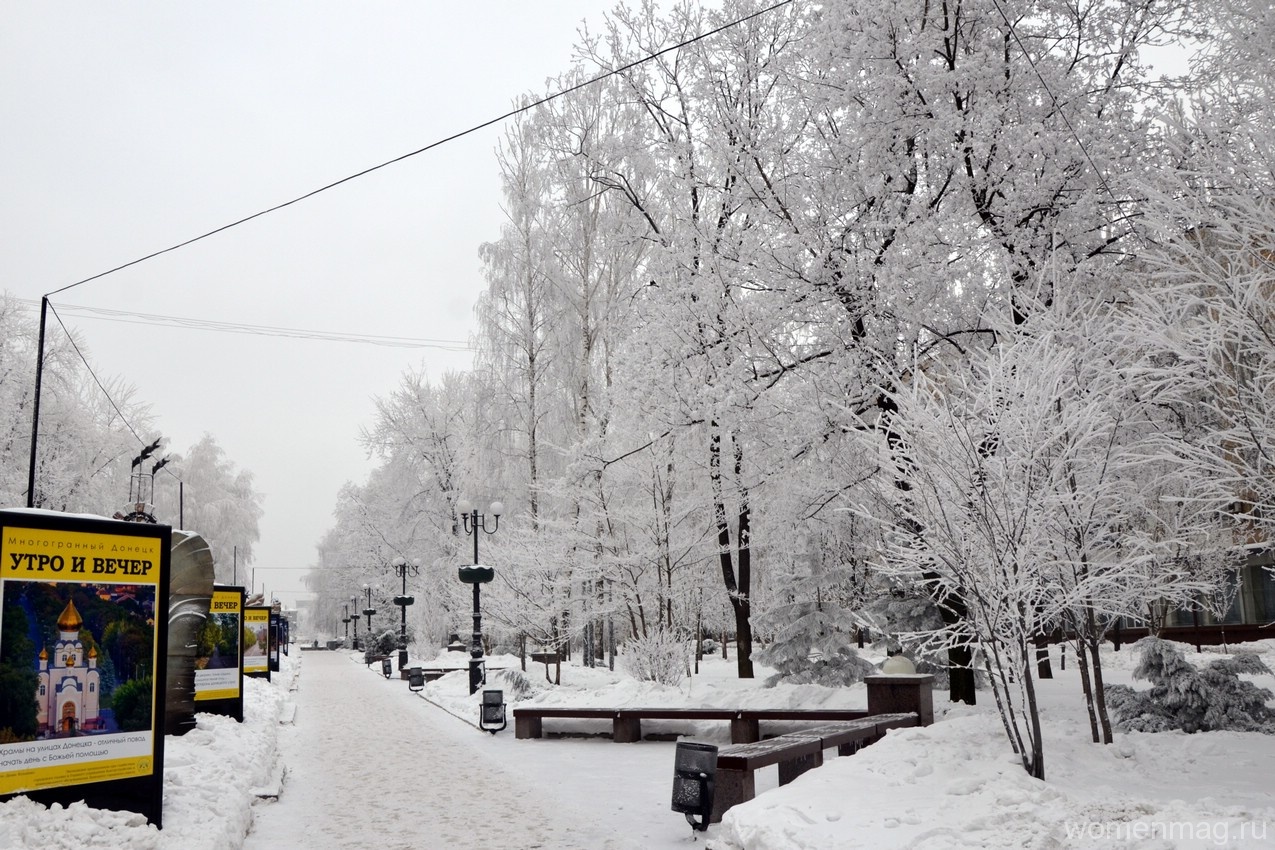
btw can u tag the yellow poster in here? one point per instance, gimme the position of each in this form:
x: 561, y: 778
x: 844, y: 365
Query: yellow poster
x: 256, y: 640
x: 45, y: 554
x: 78, y: 610
x: 217, y: 673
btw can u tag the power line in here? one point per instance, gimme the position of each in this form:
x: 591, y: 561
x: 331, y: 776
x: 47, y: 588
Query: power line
x: 132, y: 317
x: 525, y: 108
x: 93, y: 375
x: 244, y: 328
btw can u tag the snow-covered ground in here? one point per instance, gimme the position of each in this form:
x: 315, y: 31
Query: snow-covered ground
x: 357, y: 760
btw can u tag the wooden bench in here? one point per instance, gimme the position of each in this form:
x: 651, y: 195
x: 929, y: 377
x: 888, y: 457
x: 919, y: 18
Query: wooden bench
x: 887, y: 694
x: 737, y: 764
x: 430, y: 673
x: 748, y: 727
x: 794, y: 753
x: 626, y: 723
x: 547, y: 658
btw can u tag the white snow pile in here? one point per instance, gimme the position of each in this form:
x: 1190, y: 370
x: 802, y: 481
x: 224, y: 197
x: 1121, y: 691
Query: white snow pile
x: 957, y: 785
x: 212, y: 775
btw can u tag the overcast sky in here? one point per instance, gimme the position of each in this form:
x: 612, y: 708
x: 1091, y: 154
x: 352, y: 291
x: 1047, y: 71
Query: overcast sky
x: 131, y: 127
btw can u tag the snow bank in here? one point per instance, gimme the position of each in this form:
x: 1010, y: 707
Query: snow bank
x: 210, y: 774
x: 957, y: 784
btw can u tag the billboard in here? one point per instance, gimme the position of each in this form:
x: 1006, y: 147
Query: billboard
x: 83, y: 620
x: 275, y: 635
x: 219, y: 655
x: 256, y: 641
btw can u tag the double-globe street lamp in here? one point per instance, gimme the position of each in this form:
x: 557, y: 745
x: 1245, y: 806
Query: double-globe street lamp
x: 477, y: 576
x: 401, y: 569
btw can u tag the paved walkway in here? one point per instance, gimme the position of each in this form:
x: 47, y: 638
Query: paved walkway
x: 367, y: 769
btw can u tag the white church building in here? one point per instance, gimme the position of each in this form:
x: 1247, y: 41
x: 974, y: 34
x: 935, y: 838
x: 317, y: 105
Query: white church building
x: 70, y: 684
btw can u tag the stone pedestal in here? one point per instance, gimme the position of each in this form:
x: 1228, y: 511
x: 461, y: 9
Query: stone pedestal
x: 891, y: 694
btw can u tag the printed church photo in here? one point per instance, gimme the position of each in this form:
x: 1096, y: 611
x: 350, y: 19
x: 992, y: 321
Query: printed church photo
x: 70, y: 690
x: 75, y: 659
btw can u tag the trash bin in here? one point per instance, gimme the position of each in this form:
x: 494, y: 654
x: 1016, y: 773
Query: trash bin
x: 694, y: 769
x: 387, y: 667
x: 415, y: 679
x: 491, y: 716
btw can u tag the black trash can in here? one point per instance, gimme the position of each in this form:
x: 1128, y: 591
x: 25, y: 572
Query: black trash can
x: 694, y: 770
x: 492, y: 714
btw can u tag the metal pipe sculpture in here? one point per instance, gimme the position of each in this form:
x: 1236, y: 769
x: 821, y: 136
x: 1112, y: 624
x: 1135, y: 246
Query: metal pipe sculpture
x: 189, y: 597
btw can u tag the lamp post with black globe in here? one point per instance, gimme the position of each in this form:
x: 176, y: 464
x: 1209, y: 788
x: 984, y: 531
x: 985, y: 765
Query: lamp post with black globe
x: 369, y: 610
x: 401, y: 569
x: 477, y: 576
x: 354, y: 618
x: 346, y: 620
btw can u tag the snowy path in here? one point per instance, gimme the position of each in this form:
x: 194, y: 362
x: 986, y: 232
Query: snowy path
x: 370, y: 766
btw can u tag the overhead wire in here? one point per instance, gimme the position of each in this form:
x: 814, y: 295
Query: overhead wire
x: 93, y: 375
x: 474, y: 129
x: 134, y: 317
x: 96, y: 380
x: 239, y: 328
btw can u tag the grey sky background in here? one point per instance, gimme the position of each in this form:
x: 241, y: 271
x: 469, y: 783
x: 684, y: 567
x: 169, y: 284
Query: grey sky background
x: 128, y: 128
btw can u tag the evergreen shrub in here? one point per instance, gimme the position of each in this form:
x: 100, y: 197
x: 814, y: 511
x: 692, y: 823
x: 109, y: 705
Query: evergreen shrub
x: 1193, y: 700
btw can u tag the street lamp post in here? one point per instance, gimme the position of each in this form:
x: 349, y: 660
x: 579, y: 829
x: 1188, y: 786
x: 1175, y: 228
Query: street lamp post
x: 354, y: 618
x: 369, y: 611
x: 346, y: 620
x: 477, y: 576
x: 401, y: 569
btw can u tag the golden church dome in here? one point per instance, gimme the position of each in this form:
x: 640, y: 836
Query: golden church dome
x: 44, y: 653
x: 70, y: 621
x: 92, y: 652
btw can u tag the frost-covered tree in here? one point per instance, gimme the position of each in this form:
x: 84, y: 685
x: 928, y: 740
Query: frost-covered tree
x: 216, y: 500
x: 89, y: 425
x: 1027, y: 499
x: 720, y: 266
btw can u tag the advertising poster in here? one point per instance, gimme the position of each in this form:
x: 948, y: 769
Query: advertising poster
x: 256, y: 641
x: 274, y: 641
x: 219, y: 655
x: 83, y: 619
